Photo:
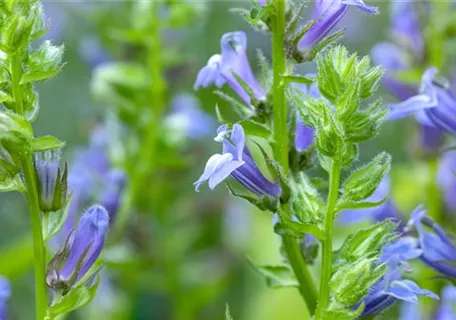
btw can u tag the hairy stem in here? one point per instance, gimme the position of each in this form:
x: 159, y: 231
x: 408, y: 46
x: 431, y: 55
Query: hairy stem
x: 323, y: 299
x: 39, y: 253
x: 280, y: 113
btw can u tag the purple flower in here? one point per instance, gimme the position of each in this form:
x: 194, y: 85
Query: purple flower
x: 386, y: 210
x: 392, y: 287
x: 188, y: 118
x: 439, y: 252
x: 5, y: 294
x: 112, y: 194
x: 82, y: 249
x: 446, y: 178
x: 237, y: 162
x: 222, y: 68
x: 329, y: 13
x: 262, y: 2
x: 52, y: 181
x: 92, y: 52
x: 447, y: 309
x: 435, y: 105
x: 405, y: 25
x: 393, y: 59
x: 430, y: 138
x: 304, y: 135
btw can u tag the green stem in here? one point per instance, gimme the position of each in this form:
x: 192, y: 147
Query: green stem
x: 141, y: 173
x: 280, y: 113
x: 323, y: 300
x: 39, y: 253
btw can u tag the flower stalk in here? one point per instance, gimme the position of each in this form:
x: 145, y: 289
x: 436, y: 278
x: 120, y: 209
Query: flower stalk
x: 280, y: 113
x: 323, y: 300
x: 39, y: 254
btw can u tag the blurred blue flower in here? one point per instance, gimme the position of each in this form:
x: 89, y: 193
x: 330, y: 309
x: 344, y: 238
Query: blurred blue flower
x: 386, y: 210
x: 93, y: 52
x: 392, y: 287
x: 56, y: 19
x: 439, y: 252
x: 222, y: 68
x: 5, y: 294
x: 435, y: 105
x: 446, y: 179
x: 329, y: 13
x: 187, y: 117
x: 237, y: 162
x: 447, y: 309
x: 112, y: 194
x: 409, y: 311
x: 82, y: 248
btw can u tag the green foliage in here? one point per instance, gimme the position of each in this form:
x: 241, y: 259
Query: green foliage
x: 53, y: 221
x: 76, y: 298
x: 363, y: 182
x: 280, y: 276
x: 356, y: 269
x: 227, y: 313
x: 43, y: 64
x: 46, y: 143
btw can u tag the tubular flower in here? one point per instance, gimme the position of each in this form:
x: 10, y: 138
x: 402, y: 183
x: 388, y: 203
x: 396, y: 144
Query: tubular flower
x: 5, y: 294
x: 447, y: 180
x: 82, y: 249
x: 439, y: 252
x: 392, y: 287
x: 52, y: 181
x: 111, y: 196
x: 328, y: 13
x: 447, y: 309
x: 436, y: 104
x: 229, y: 66
x: 237, y: 162
x: 305, y: 135
x: 187, y: 117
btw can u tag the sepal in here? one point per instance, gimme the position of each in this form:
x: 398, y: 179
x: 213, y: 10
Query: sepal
x: 363, y: 182
x: 44, y: 63
x: 278, y: 276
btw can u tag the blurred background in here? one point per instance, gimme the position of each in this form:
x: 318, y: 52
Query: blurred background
x: 229, y: 233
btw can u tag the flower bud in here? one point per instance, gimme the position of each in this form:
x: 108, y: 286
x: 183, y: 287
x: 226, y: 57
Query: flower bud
x: 52, y: 184
x: 82, y: 249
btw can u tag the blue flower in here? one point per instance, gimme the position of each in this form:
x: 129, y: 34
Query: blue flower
x: 447, y: 309
x: 446, y: 179
x: 329, y: 13
x: 52, y: 180
x: 392, y: 287
x: 112, y: 194
x: 220, y: 68
x: 386, y: 210
x: 305, y: 135
x: 439, y: 252
x: 237, y: 162
x: 82, y: 249
x: 188, y: 119
x: 436, y: 104
x: 5, y: 294
x: 405, y: 26
x: 93, y: 52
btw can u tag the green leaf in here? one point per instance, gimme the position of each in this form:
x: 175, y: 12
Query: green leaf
x: 219, y: 115
x: 352, y: 205
x: 45, y: 143
x: 299, y: 228
x: 253, y: 128
x: 227, y: 313
x: 74, y: 299
x: 299, y: 79
x: 53, y: 221
x: 340, y: 313
x: 5, y: 97
x: 240, y: 108
x: 280, y: 276
x: 12, y: 184
x: 363, y: 182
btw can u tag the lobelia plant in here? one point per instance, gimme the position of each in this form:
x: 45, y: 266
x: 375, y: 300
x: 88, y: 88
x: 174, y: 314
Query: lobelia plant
x: 31, y: 165
x: 365, y: 275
